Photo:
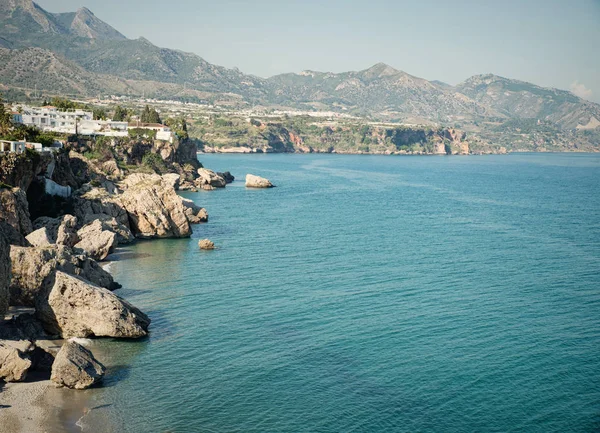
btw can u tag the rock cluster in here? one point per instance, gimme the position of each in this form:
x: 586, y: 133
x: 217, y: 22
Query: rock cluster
x: 5, y: 274
x: 208, y: 179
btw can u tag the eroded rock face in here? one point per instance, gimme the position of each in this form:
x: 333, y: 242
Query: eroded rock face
x: 124, y: 235
x: 210, y: 178
x: 93, y: 201
x: 75, y: 367
x: 14, y: 363
x: 76, y: 308
x: 172, y: 179
x: 253, y: 181
x: 96, y: 242
x: 154, y: 208
x: 14, y: 209
x: 34, y: 269
x: 5, y: 274
x: 60, y: 231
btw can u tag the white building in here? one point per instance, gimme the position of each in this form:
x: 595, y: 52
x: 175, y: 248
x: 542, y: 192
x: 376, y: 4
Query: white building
x: 109, y: 128
x: 7, y: 146
x: 49, y: 118
x: 162, y: 132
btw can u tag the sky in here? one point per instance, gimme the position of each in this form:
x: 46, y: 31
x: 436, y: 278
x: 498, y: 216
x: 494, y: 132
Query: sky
x: 551, y: 43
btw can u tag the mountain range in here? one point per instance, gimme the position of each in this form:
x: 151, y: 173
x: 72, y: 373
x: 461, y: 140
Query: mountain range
x: 79, y: 54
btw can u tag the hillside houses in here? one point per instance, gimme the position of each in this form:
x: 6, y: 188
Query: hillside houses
x: 49, y: 118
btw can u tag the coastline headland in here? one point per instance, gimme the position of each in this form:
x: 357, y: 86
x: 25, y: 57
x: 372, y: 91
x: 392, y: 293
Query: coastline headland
x: 53, y: 287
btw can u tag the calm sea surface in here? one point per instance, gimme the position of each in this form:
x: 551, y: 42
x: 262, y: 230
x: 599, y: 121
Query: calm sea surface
x: 369, y: 294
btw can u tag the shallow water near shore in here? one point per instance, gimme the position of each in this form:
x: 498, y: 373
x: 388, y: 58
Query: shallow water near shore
x: 369, y: 294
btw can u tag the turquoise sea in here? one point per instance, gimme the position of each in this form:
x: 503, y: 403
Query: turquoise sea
x: 369, y: 294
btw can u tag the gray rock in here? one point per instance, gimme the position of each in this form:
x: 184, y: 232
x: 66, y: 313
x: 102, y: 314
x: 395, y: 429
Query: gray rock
x: 253, y: 181
x: 96, y: 242
x: 34, y: 269
x: 14, y: 209
x: 75, y: 367
x: 229, y: 178
x: 76, y: 308
x: 172, y: 179
x: 5, y: 274
x: 14, y: 363
x: 124, y: 235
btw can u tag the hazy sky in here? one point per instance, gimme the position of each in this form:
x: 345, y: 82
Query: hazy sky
x: 547, y: 42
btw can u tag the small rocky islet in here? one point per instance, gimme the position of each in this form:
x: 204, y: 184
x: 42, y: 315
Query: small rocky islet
x: 51, y: 249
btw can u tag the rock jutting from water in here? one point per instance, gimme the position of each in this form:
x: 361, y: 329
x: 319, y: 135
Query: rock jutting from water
x: 206, y: 244
x: 253, y: 181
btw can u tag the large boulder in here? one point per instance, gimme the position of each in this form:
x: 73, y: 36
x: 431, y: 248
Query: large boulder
x: 75, y: 367
x: 14, y: 209
x: 154, y: 208
x: 229, y: 178
x: 124, y: 235
x: 96, y: 242
x: 14, y: 363
x: 172, y: 179
x: 194, y: 213
x: 34, y: 269
x: 253, y: 181
x: 90, y: 200
x: 5, y: 274
x: 210, y: 178
x: 206, y: 244
x: 39, y: 238
x: 76, y: 308
x: 59, y: 231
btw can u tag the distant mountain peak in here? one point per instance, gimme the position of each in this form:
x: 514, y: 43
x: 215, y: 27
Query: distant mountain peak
x: 87, y: 25
x: 381, y: 70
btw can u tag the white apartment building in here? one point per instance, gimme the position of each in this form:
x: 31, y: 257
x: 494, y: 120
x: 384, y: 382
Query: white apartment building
x: 162, y: 132
x: 48, y: 118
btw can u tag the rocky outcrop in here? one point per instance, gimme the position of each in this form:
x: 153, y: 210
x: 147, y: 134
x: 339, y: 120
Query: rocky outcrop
x: 100, y: 201
x: 76, y: 308
x: 154, y: 208
x: 124, y: 235
x: 206, y: 244
x: 75, y: 367
x: 195, y: 214
x: 172, y: 180
x: 14, y: 363
x: 96, y: 242
x: 34, y: 269
x: 229, y: 178
x: 253, y: 181
x: 14, y: 209
x: 59, y: 231
x: 5, y: 274
x: 208, y: 179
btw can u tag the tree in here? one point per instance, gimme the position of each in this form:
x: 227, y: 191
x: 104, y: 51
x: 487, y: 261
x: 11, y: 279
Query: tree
x: 5, y: 118
x: 99, y: 113
x: 120, y: 114
x: 150, y: 115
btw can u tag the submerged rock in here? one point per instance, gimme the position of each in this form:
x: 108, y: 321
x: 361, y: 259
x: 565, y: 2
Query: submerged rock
x: 33, y: 269
x: 76, y: 308
x: 253, y: 181
x: 95, y: 241
x: 206, y: 244
x: 75, y: 367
